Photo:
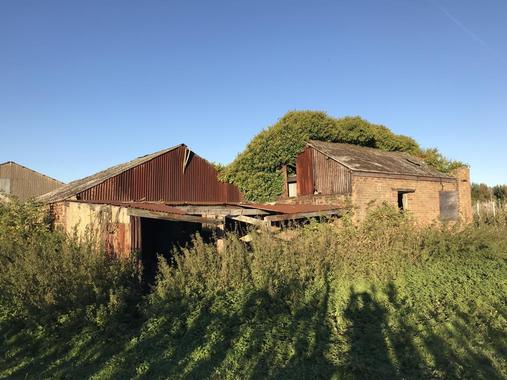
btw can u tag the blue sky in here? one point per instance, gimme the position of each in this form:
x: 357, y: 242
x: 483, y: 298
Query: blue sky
x: 85, y: 85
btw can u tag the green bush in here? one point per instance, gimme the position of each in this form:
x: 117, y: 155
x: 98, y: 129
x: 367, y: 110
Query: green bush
x: 256, y: 171
x: 45, y: 274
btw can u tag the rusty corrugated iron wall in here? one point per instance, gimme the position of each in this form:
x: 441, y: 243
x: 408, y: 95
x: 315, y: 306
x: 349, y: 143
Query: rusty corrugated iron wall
x: 165, y: 178
x: 304, y: 172
x: 25, y: 183
x: 329, y: 176
x: 135, y: 234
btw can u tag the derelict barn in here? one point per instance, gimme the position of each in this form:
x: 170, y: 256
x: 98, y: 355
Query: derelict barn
x: 23, y: 183
x: 154, y: 202
x: 335, y: 173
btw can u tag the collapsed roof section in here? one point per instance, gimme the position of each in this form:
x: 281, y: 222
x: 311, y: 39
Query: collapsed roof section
x: 214, y: 212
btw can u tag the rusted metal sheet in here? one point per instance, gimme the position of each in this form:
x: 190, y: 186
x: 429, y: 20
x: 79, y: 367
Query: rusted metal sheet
x: 135, y: 234
x: 24, y: 183
x: 304, y: 172
x: 172, y: 176
x: 329, y: 176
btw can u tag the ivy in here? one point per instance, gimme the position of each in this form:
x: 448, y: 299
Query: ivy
x: 256, y: 170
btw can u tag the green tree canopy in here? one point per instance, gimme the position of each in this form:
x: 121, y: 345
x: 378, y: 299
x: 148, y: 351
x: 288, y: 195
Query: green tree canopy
x: 256, y: 170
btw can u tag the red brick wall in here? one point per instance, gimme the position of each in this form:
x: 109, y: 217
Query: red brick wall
x: 423, y: 204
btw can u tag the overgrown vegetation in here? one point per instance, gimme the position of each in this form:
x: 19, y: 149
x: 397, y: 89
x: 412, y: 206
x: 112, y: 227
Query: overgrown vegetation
x: 46, y: 276
x: 256, y: 171
x: 379, y: 300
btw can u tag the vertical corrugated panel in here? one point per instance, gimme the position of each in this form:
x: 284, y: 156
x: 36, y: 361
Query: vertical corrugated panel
x: 135, y: 234
x: 330, y: 177
x: 304, y: 172
x: 26, y: 183
x: 163, y: 179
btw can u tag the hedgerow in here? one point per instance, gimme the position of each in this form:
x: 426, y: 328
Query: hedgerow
x: 256, y: 171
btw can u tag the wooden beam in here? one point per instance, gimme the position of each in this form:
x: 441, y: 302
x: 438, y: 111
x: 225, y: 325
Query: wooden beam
x: 250, y: 220
x: 300, y: 215
x: 173, y: 217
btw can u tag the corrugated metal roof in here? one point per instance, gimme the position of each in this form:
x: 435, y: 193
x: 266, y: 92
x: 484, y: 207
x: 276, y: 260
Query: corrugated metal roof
x: 363, y: 159
x: 31, y: 170
x: 83, y: 184
x: 23, y: 182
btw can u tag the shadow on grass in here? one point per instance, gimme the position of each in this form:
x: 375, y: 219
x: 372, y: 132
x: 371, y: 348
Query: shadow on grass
x: 258, y: 335
x: 76, y: 350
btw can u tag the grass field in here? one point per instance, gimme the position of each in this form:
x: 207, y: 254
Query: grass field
x: 380, y: 301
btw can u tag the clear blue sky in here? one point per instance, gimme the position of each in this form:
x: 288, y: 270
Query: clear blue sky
x: 85, y: 85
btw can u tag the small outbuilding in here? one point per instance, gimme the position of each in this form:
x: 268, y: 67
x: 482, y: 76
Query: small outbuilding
x: 18, y: 181
x: 340, y: 174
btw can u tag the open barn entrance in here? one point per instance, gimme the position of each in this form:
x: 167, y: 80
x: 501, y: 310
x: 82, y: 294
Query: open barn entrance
x: 159, y: 237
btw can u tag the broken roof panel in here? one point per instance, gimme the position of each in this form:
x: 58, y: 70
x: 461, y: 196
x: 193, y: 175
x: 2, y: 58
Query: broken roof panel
x: 362, y: 159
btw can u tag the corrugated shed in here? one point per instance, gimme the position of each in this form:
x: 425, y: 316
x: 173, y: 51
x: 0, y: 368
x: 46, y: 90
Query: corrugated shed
x: 172, y: 175
x: 329, y: 176
x: 23, y: 182
x: 304, y: 172
x: 369, y: 160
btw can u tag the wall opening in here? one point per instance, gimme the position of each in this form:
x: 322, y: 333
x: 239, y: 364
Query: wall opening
x: 403, y: 199
x: 292, y: 186
x: 160, y: 237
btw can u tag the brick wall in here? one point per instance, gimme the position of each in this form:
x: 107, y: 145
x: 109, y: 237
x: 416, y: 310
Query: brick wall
x: 332, y: 199
x: 464, y: 193
x: 423, y: 204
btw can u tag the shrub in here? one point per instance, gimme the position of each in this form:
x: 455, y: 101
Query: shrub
x: 46, y: 274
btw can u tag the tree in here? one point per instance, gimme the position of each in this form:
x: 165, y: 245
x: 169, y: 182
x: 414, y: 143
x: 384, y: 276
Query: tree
x: 500, y: 193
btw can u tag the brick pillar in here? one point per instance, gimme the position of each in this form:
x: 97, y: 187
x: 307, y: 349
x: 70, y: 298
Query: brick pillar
x: 464, y: 193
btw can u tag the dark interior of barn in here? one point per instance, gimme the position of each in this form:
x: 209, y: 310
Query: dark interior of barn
x: 160, y: 237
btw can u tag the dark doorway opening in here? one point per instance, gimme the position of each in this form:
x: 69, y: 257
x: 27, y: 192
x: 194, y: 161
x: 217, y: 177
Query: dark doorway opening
x: 160, y: 237
x: 403, y: 199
